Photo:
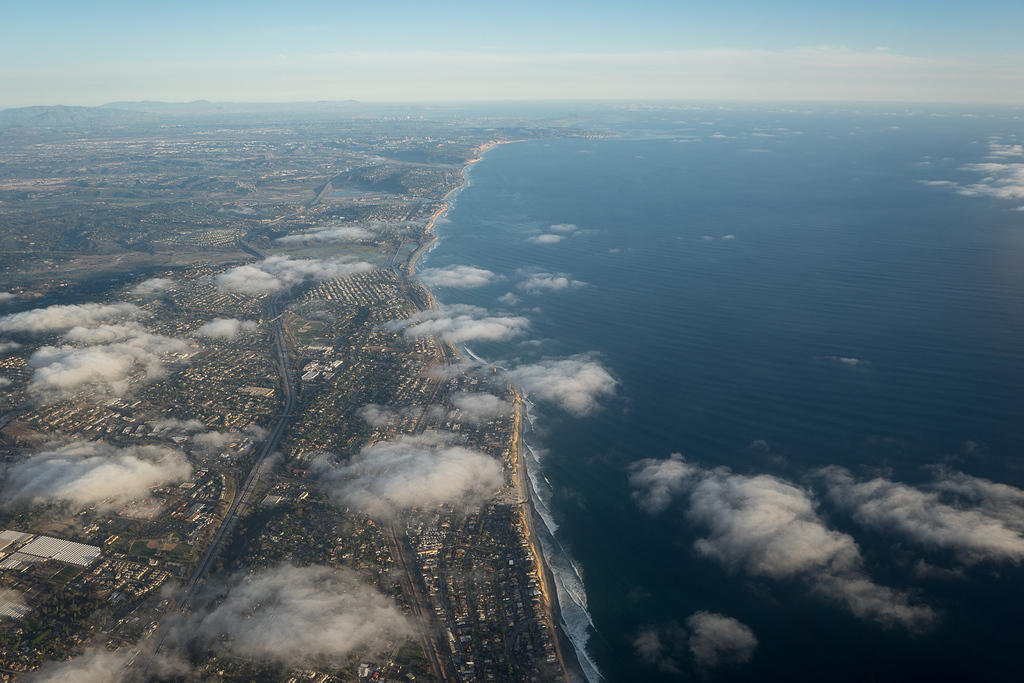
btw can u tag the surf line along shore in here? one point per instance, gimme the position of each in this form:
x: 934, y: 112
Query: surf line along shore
x: 528, y: 514
x: 519, y: 480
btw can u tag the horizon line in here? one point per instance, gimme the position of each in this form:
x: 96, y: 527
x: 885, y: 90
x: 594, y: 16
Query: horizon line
x: 525, y: 100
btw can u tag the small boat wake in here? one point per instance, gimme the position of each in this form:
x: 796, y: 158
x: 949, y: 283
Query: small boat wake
x: 469, y: 352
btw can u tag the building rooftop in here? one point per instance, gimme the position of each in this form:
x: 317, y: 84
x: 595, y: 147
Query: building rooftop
x: 64, y: 551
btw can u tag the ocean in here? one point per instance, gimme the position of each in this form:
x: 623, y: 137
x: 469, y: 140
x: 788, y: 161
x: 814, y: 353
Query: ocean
x: 774, y: 291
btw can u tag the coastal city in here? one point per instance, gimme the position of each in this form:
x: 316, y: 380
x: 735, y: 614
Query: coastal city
x: 216, y: 397
x: 533, y: 342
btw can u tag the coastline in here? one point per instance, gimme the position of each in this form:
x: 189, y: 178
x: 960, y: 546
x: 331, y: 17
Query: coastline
x: 430, y: 238
x: 570, y: 665
x: 563, y: 644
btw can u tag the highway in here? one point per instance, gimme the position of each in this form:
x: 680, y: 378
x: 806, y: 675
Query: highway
x: 437, y: 652
x: 241, y: 497
x: 267, y: 448
x: 430, y: 630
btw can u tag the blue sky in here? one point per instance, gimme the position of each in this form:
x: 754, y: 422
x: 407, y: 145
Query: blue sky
x: 88, y: 53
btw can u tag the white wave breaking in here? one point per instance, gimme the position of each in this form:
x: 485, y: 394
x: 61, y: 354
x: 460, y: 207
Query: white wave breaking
x: 569, y: 586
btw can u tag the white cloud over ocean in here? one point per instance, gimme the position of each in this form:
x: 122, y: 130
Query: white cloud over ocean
x: 709, y: 640
x: 538, y: 282
x: 1002, y: 177
x: 546, y: 238
x: 716, y: 640
x: 1000, y: 180
x: 765, y: 526
x: 457, y: 277
x: 977, y: 519
x: 657, y: 483
x: 576, y: 384
x: 998, y: 149
x: 460, y: 323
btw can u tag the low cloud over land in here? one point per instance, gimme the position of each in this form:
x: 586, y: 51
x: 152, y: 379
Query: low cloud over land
x: 275, y: 273
x: 480, y: 407
x: 12, y: 601
x: 60, y: 318
x: 153, y: 285
x: 412, y: 471
x: 765, y: 526
x: 226, y: 328
x: 104, y: 334
x: 213, y: 441
x: 107, y: 347
x: 379, y: 415
x: 299, y: 615
x: 105, y: 368
x: 328, y: 235
x: 99, y: 665
x: 172, y: 425
x: 461, y: 323
x: 83, y: 473
x: 95, y: 665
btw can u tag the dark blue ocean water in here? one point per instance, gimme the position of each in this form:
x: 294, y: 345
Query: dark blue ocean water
x: 728, y: 350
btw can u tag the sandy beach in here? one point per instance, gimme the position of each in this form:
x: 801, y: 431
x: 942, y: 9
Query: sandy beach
x: 547, y: 580
x: 520, y: 482
x: 409, y: 269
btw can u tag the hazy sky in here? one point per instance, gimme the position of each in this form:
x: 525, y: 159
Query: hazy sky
x: 60, y: 52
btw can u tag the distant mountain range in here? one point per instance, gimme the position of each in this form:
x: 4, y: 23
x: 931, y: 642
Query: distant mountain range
x: 129, y: 113
x: 67, y: 117
x: 207, y: 107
